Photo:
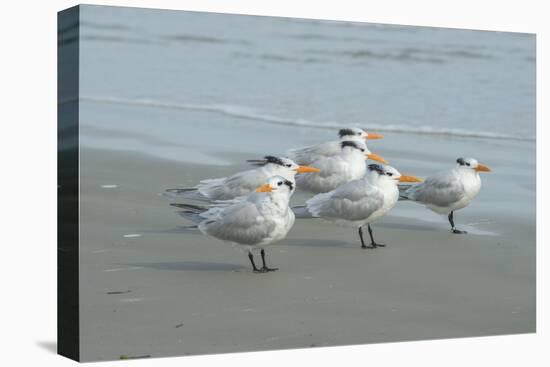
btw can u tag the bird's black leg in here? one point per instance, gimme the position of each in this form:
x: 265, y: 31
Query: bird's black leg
x: 361, y: 237
x: 251, y: 257
x: 264, y: 267
x: 373, y: 243
x: 453, y: 228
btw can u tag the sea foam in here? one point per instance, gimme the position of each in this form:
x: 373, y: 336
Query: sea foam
x: 252, y: 114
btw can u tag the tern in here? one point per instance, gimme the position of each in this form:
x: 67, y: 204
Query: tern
x: 260, y: 219
x: 338, y: 169
x: 448, y: 191
x: 310, y: 154
x: 358, y: 202
x: 242, y: 183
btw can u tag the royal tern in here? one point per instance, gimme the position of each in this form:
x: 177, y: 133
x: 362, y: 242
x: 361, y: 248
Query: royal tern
x: 242, y: 183
x: 260, y: 219
x: 358, y: 202
x: 338, y: 169
x: 448, y: 191
x: 310, y: 154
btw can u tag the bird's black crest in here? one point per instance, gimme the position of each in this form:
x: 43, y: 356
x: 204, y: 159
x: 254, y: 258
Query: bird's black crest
x: 345, y: 132
x: 274, y: 160
x: 267, y: 159
x: 351, y: 144
x: 289, y: 184
x: 376, y: 167
x: 461, y: 161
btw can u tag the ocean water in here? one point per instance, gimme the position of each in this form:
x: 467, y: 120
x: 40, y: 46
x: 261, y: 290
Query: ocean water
x: 180, y: 85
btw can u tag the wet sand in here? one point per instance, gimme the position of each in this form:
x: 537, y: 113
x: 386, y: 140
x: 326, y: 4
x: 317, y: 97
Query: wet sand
x: 149, y: 287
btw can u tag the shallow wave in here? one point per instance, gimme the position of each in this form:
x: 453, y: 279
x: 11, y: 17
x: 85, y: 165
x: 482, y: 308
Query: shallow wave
x: 249, y: 113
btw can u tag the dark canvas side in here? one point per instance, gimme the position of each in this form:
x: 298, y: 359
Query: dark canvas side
x: 68, y: 343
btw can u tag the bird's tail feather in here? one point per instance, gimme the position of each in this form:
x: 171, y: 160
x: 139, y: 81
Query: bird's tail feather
x: 403, y: 195
x: 189, y: 193
x: 181, y: 190
x: 191, y: 216
x: 191, y: 212
x: 190, y: 207
x: 256, y: 162
x: 301, y: 211
x: 192, y: 227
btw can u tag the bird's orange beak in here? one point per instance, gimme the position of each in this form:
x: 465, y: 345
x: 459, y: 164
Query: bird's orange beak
x: 376, y: 157
x: 405, y: 178
x: 371, y: 136
x: 264, y: 188
x: 306, y: 169
x: 482, y: 168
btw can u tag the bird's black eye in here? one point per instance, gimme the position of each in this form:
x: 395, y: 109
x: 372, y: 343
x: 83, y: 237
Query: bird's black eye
x: 389, y: 174
x: 279, y: 183
x: 288, y: 165
x: 362, y: 150
x: 467, y: 163
x: 358, y: 133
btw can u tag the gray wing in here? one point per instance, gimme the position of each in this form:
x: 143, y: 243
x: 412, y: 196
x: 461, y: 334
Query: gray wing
x: 353, y: 201
x: 334, y: 172
x: 441, y: 189
x: 241, y: 223
x: 239, y: 184
x: 309, y: 154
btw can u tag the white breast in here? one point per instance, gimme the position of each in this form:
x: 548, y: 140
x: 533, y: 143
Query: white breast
x: 391, y: 195
x: 472, y: 184
x: 279, y: 214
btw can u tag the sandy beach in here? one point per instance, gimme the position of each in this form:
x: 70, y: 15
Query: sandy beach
x: 151, y: 288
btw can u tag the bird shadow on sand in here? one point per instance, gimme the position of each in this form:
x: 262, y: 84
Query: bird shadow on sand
x: 435, y: 228
x: 191, y: 266
x: 409, y: 227
x: 48, y: 345
x: 308, y: 242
